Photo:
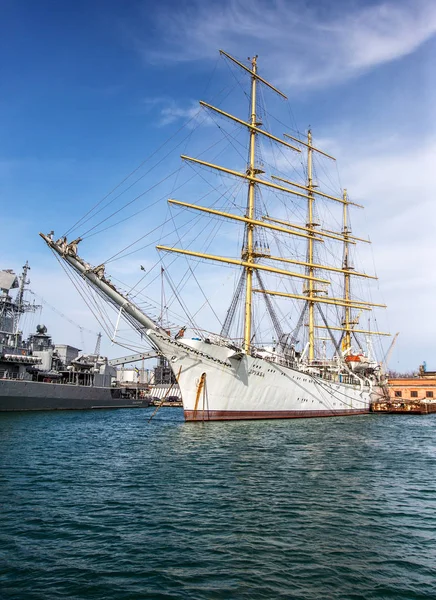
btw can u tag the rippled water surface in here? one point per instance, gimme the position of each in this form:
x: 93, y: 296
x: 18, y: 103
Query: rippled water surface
x: 101, y: 504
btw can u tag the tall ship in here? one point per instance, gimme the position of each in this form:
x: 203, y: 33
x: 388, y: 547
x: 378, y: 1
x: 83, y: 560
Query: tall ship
x: 323, y: 364
x: 36, y: 374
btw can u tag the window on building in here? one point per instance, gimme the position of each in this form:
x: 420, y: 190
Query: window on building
x: 414, y: 394
x: 398, y: 393
x: 429, y: 394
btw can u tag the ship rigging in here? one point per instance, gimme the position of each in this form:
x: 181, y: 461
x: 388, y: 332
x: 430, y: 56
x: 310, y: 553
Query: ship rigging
x: 226, y: 377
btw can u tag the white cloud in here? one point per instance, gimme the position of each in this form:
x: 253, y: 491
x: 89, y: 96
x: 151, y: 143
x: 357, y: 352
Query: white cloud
x: 302, y: 45
x: 170, y: 111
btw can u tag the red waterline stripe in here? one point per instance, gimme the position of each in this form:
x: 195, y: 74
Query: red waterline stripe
x: 230, y: 415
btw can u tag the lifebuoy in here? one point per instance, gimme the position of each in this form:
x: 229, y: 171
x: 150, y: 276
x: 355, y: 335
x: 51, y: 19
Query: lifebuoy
x: 353, y: 358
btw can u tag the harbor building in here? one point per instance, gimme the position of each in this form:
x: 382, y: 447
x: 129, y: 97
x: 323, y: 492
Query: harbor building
x: 421, y: 386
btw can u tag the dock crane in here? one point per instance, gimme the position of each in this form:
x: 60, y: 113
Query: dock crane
x: 387, y: 356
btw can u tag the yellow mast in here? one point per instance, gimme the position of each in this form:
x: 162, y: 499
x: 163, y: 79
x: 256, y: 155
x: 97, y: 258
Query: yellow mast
x: 310, y: 258
x: 247, y: 253
x: 346, y: 266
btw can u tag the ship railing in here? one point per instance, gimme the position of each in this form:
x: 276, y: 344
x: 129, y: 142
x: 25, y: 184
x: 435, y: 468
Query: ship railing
x: 337, y: 377
x: 5, y: 374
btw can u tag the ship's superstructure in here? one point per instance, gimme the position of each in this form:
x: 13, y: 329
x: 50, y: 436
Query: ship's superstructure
x: 12, y: 309
x: 221, y: 377
x: 36, y: 374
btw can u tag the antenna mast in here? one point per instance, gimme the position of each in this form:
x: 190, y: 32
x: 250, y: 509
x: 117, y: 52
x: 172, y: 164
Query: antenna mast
x: 23, y: 282
x: 98, y: 345
x: 20, y: 299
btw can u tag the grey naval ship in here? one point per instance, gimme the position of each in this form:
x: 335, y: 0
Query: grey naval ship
x: 36, y: 374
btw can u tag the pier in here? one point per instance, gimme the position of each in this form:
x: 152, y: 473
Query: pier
x: 409, y: 407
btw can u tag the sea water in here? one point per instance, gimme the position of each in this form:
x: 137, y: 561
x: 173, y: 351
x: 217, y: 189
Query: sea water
x: 103, y: 504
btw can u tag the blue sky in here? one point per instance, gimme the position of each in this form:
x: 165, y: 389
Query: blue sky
x: 91, y: 88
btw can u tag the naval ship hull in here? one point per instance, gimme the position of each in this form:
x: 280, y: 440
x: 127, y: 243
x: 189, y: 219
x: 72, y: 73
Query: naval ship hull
x: 19, y: 395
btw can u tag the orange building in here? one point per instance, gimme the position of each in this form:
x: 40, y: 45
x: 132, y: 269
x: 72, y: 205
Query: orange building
x: 419, y: 387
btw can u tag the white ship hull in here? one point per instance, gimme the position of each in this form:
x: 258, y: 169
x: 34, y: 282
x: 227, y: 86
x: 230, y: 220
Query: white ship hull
x: 218, y: 384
